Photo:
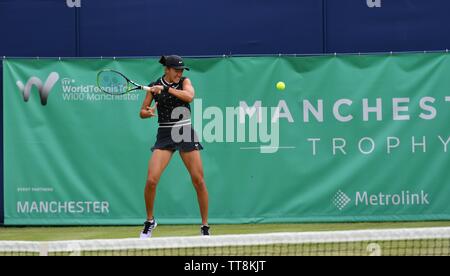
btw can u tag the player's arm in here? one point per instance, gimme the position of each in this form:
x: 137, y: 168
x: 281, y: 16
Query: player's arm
x: 146, y: 110
x: 187, y: 94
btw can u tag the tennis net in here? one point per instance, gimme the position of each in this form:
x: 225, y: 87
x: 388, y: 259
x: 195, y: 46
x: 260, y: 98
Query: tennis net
x: 389, y: 242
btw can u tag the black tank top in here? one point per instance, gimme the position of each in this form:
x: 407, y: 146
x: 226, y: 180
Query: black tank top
x: 167, y: 103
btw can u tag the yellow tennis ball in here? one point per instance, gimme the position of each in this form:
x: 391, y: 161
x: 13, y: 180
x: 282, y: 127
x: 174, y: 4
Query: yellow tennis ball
x: 281, y: 85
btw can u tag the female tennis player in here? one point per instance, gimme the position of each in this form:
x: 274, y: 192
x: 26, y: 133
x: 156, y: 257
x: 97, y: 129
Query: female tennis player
x: 172, y: 94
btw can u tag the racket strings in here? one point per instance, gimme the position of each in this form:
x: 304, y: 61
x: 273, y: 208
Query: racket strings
x: 113, y: 83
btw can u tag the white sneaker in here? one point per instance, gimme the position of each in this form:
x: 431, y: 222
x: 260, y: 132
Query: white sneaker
x: 149, y: 226
x: 204, y: 230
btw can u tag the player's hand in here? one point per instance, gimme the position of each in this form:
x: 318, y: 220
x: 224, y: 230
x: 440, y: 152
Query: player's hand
x: 156, y: 89
x: 151, y: 111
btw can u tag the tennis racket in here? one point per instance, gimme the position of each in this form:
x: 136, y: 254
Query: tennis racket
x: 115, y: 83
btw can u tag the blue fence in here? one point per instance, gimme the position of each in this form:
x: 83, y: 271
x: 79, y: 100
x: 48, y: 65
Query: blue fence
x: 399, y: 25
x: 32, y: 28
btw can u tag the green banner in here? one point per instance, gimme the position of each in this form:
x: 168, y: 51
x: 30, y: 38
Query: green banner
x: 350, y: 138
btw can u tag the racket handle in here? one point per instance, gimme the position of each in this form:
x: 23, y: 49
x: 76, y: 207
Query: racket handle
x: 146, y: 88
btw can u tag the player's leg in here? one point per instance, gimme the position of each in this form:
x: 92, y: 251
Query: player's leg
x: 157, y: 163
x: 193, y: 163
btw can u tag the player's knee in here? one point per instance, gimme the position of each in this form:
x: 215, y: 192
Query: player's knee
x: 152, y: 182
x: 199, y: 182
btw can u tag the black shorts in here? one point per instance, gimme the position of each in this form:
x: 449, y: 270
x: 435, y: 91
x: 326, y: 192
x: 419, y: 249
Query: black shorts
x: 181, y: 138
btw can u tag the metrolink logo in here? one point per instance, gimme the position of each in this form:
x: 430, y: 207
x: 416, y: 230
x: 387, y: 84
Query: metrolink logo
x: 341, y: 200
x: 404, y: 198
x: 43, y: 88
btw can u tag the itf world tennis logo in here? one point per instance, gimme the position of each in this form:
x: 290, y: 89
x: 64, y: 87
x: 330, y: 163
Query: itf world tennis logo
x: 43, y: 88
x: 341, y: 200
